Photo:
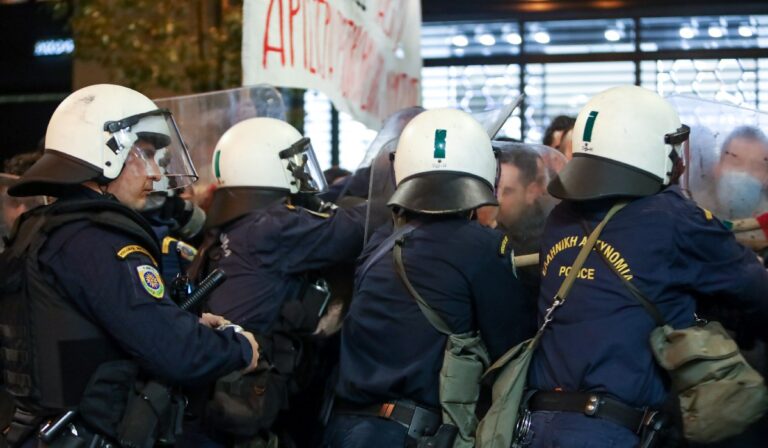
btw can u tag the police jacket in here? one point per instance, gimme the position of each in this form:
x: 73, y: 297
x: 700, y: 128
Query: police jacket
x: 81, y: 286
x: 671, y: 250
x: 264, y: 253
x: 463, y: 270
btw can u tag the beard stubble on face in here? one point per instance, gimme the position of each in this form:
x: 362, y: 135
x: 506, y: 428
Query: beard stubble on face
x: 133, y: 185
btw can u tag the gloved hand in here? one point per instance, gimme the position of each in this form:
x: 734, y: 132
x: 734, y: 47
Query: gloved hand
x: 189, y: 218
x: 311, y: 202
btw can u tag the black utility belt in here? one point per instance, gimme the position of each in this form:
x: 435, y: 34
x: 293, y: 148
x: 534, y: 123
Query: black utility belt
x: 593, y: 405
x: 419, y: 420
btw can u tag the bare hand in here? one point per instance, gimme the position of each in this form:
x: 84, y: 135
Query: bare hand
x: 213, y: 320
x: 255, y: 347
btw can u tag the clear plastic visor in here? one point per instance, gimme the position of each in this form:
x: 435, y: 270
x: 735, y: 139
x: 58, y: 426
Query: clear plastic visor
x: 301, y: 162
x: 154, y: 138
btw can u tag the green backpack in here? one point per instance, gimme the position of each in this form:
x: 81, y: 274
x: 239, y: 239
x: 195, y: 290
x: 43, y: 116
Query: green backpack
x: 465, y: 360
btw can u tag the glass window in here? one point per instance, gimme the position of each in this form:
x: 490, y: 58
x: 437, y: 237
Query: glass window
x: 457, y: 39
x: 354, y: 138
x: 733, y: 81
x: 317, y: 125
x: 562, y: 89
x: 473, y: 88
x: 762, y: 84
x: 580, y: 36
x: 703, y: 33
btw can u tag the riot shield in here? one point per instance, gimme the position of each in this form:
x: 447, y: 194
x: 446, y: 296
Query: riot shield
x: 493, y: 119
x: 381, y: 187
x: 203, y: 118
x: 524, y: 203
x: 374, y: 179
x: 726, y: 160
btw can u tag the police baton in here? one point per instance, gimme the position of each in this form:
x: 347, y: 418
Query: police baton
x: 200, y: 294
x: 523, y: 261
x: 51, y: 429
x: 759, y: 222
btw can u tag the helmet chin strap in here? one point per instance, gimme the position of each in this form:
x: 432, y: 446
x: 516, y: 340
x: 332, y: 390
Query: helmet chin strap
x: 677, y: 167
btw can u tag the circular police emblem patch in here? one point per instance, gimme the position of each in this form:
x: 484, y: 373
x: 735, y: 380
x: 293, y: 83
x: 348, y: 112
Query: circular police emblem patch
x: 151, y: 281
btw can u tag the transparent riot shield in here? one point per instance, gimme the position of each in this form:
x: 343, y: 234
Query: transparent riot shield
x: 374, y: 179
x: 203, y: 118
x: 726, y: 161
x: 524, y: 203
x: 381, y: 187
x: 493, y: 119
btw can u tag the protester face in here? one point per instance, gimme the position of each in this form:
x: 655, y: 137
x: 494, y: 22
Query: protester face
x: 741, y: 177
x: 514, y: 197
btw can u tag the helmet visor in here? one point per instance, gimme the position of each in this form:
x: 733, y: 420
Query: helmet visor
x: 300, y: 160
x: 155, y: 139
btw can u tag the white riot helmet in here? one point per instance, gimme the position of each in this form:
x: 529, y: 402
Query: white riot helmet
x: 626, y: 142
x: 92, y: 133
x: 267, y: 153
x: 257, y: 160
x: 444, y: 163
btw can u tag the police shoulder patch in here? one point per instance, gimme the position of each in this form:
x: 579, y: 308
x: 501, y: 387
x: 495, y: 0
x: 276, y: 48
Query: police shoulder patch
x: 151, y: 281
x: 133, y: 249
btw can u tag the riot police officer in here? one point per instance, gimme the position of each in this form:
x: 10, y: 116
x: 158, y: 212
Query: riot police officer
x: 270, y: 233
x: 81, y: 291
x: 627, y: 147
x: 391, y: 354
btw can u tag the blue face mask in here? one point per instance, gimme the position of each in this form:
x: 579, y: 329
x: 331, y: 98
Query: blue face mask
x: 738, y: 194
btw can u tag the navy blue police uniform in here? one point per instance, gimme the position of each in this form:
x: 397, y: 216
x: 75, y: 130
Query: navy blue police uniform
x: 116, y: 284
x: 265, y: 253
x: 86, y: 293
x: 389, y: 349
x: 671, y: 250
x: 271, y: 255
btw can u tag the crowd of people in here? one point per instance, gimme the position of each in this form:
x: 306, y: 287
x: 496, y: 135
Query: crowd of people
x: 296, y: 308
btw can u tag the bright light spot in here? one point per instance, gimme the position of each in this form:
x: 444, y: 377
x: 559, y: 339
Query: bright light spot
x: 54, y: 47
x: 687, y: 32
x: 486, y: 39
x: 541, y: 37
x: 612, y: 35
x: 715, y: 31
x: 746, y: 31
x: 400, y: 53
x: 460, y: 40
x: 513, y: 38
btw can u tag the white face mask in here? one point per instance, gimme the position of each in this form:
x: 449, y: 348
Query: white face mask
x: 738, y: 194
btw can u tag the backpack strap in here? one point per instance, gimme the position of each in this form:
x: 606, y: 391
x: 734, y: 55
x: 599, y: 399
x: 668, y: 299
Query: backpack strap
x: 565, y: 288
x: 426, y: 308
x: 388, y: 244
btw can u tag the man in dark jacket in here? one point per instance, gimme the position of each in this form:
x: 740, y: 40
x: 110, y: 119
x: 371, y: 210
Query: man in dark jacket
x: 82, y: 299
